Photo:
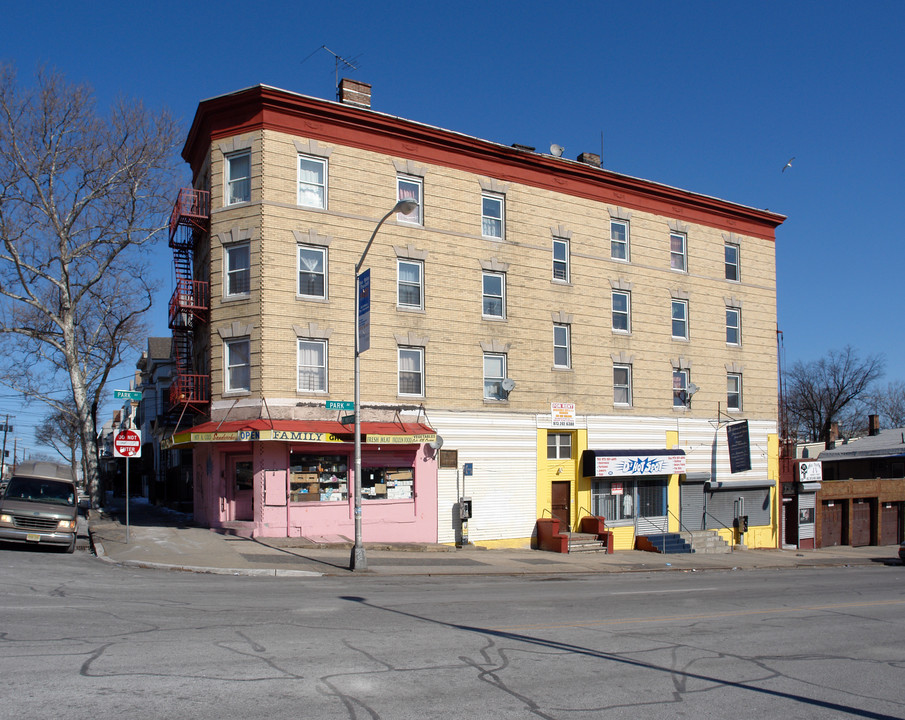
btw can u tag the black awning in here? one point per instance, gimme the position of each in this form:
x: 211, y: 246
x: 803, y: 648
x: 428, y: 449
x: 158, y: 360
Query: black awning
x: 618, y: 463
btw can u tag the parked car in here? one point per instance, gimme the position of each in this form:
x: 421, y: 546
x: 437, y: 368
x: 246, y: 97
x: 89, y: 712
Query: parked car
x: 40, y: 506
x: 902, y: 552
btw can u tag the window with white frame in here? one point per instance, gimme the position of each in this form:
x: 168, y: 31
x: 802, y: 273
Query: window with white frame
x: 559, y: 446
x: 561, y: 259
x: 238, y: 269
x: 561, y: 349
x: 619, y: 248
x: 494, y: 374
x: 732, y: 262
x: 238, y: 177
x: 678, y: 259
x: 237, y: 358
x: 494, y: 295
x: 410, y: 283
x: 312, y: 271
x: 622, y: 307
x: 409, y: 188
x: 411, y: 371
x: 733, y: 326
x: 312, y: 182
x: 734, y: 391
x: 622, y: 384
x: 680, y: 319
x: 492, y: 216
x: 680, y: 388
x: 312, y: 366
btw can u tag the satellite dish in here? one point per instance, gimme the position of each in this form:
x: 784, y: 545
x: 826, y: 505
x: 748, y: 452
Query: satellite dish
x: 508, y: 385
x: 692, y: 389
x: 437, y: 444
x: 556, y: 150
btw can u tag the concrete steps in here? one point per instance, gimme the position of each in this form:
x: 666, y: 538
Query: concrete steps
x: 707, y: 542
x: 667, y: 543
x: 585, y: 543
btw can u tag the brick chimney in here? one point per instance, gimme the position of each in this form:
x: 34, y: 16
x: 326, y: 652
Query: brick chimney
x: 590, y: 159
x: 353, y: 92
x: 833, y: 436
x: 873, y: 425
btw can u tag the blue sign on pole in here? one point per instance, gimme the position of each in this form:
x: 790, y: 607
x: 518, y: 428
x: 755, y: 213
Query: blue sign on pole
x: 468, y: 469
x: 364, y: 311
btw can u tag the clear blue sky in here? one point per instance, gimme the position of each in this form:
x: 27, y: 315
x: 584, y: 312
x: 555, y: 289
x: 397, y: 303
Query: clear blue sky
x: 712, y: 97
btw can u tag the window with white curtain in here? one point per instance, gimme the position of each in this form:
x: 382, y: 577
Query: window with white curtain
x: 678, y: 252
x: 410, y: 284
x: 312, y: 182
x: 312, y: 271
x: 409, y: 188
x: 492, y: 216
x: 238, y: 269
x: 237, y: 358
x: 312, y: 366
x: 411, y: 371
x: 238, y: 177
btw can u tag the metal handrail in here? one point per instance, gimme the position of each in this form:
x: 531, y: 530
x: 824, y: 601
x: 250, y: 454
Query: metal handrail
x: 679, y: 520
x: 719, y: 522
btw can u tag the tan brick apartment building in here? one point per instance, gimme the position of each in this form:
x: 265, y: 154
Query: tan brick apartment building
x: 549, y: 319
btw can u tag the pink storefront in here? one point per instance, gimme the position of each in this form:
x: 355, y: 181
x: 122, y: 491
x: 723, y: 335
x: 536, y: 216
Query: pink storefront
x: 291, y: 478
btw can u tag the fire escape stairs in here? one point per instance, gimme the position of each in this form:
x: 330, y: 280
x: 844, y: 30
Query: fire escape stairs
x: 190, y: 303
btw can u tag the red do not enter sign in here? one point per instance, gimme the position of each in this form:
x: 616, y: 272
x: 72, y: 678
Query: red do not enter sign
x: 127, y: 443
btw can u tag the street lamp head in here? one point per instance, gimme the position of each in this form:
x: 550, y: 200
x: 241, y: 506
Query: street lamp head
x: 405, y: 206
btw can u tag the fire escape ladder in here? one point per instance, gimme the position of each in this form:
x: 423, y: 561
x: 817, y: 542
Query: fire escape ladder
x: 190, y: 303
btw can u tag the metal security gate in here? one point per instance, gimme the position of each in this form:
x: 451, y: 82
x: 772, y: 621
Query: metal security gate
x: 651, y: 507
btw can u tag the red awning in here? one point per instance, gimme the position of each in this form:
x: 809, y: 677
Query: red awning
x: 261, y: 430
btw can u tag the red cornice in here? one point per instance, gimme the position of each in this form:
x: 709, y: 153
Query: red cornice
x: 265, y: 107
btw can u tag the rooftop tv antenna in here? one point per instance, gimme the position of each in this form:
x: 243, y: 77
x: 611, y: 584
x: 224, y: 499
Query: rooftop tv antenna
x: 339, y: 60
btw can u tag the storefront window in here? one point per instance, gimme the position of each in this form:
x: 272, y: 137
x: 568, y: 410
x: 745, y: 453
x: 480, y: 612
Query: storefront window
x: 318, y: 478
x: 387, y: 483
x: 614, y: 500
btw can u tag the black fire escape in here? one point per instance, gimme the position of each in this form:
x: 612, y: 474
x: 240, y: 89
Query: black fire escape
x: 190, y: 391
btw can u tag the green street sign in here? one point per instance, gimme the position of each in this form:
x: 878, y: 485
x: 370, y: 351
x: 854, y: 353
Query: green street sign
x: 347, y: 419
x: 340, y: 405
x: 134, y: 395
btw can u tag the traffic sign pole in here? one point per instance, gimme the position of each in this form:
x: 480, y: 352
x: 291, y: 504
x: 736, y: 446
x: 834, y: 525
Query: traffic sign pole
x: 127, y: 444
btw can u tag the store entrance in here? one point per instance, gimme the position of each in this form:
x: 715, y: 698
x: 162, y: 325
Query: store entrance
x: 240, y: 488
x: 561, y: 506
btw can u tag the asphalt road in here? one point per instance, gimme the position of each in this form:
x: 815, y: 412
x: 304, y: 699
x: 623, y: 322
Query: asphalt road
x: 81, y: 638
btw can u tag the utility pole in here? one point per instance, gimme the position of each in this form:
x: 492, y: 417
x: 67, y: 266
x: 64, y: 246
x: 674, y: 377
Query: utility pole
x: 3, y: 454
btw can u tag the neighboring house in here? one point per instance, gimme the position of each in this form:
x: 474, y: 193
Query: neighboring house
x: 861, y: 499
x: 579, y: 339
x: 166, y: 474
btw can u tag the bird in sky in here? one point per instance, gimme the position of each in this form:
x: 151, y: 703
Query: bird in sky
x: 788, y: 164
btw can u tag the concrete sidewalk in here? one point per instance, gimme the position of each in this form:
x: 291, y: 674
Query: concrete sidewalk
x: 159, y: 538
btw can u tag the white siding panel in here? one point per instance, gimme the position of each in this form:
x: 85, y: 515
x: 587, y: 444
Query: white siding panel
x: 503, y: 489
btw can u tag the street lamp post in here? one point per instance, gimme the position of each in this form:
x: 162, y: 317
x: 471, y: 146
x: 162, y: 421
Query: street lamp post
x: 359, y: 560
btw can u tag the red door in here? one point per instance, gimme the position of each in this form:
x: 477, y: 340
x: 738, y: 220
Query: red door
x: 240, y: 488
x: 831, y: 524
x: 860, y: 523
x: 561, y: 505
x: 890, y: 534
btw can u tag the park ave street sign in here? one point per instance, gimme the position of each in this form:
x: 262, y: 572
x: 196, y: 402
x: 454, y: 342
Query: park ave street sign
x: 134, y: 395
x: 127, y: 443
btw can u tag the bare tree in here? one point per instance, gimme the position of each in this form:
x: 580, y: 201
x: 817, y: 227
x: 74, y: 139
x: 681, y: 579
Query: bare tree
x: 821, y: 392
x: 60, y: 430
x: 82, y: 198
x: 889, y: 404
